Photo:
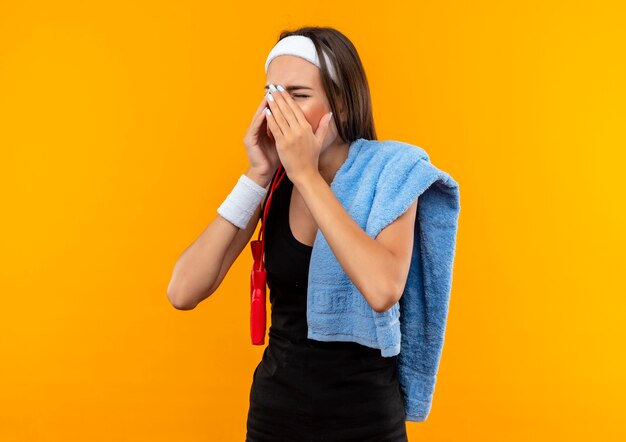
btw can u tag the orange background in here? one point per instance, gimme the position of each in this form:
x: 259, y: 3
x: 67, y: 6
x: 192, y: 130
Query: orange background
x: 121, y: 127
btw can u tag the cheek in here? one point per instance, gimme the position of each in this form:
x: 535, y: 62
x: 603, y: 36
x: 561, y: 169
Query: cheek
x: 313, y: 115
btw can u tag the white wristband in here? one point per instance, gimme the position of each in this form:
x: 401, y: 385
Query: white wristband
x: 242, y: 201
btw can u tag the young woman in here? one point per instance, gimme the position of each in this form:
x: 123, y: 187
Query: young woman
x: 304, y: 389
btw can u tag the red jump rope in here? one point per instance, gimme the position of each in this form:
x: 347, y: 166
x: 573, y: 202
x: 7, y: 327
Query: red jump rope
x: 258, y: 275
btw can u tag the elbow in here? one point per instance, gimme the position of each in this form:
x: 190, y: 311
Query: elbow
x: 179, y: 301
x: 382, y: 308
x: 182, y: 305
x: 389, y: 300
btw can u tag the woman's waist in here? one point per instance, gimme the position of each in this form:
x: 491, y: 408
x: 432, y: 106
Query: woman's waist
x: 281, y: 341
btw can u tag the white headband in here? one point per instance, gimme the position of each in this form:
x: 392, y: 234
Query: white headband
x: 302, y: 47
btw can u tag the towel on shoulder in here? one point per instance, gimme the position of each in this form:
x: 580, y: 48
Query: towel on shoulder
x: 377, y: 183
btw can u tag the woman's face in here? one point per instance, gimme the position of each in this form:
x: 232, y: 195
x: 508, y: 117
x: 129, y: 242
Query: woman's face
x: 303, y: 81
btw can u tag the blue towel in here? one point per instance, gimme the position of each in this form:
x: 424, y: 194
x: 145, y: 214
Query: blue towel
x: 377, y: 183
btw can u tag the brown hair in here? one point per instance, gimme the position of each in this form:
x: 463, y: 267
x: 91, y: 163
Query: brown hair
x: 353, y: 90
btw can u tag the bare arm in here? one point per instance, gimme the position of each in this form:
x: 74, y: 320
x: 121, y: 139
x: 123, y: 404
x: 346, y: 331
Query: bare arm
x: 202, y: 266
x: 378, y: 267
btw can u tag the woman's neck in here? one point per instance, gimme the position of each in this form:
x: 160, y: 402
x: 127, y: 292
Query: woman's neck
x: 331, y: 160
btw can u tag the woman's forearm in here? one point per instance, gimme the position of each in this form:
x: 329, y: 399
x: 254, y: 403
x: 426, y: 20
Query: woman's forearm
x: 368, y: 263
x: 200, y: 265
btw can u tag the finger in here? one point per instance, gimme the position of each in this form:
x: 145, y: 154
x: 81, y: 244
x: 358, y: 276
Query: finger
x: 259, y: 110
x: 323, y: 127
x: 274, y: 127
x: 265, y: 126
x: 258, y: 119
x: 297, y: 112
x: 284, y: 107
x: 278, y: 115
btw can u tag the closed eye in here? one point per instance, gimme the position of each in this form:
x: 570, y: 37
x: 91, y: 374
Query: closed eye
x: 300, y: 95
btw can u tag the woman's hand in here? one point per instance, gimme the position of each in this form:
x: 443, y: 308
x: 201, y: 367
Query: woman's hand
x: 297, y: 146
x: 260, y: 145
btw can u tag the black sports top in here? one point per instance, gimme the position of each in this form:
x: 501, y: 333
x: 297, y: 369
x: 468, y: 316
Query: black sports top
x: 308, y: 390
